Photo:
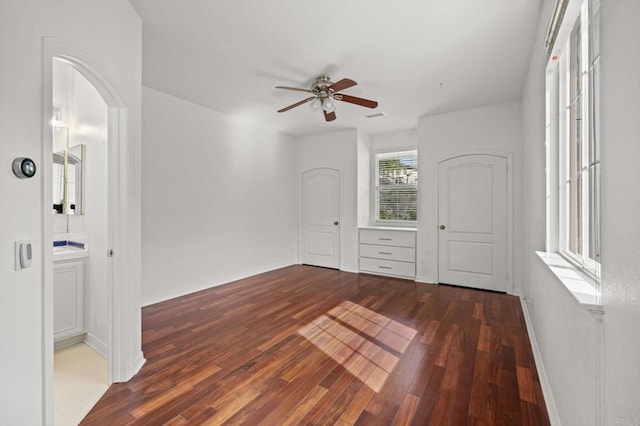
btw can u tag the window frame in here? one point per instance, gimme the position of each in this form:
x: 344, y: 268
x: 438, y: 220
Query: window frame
x: 376, y: 188
x: 559, y: 138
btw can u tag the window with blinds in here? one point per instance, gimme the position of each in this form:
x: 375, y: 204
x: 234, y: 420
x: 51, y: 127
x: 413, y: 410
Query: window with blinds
x: 397, y: 186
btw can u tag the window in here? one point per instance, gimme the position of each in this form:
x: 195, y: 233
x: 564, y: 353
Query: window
x: 396, y: 186
x: 572, y: 127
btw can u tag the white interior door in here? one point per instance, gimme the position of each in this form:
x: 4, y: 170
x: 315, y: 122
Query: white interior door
x: 320, y: 245
x: 472, y: 199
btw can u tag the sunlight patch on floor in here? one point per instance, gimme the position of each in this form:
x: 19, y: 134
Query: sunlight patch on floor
x: 371, y: 359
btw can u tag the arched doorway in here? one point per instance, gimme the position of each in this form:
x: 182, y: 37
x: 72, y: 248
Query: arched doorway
x: 123, y: 323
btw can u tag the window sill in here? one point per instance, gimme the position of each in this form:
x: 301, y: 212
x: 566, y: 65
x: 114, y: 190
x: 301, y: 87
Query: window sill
x: 580, y: 285
x: 390, y: 228
x: 394, y: 224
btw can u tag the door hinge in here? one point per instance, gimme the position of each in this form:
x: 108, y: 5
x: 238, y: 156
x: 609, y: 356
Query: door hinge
x: 109, y: 252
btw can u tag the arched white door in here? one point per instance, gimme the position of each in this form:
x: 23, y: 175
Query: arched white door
x: 472, y: 214
x: 320, y: 230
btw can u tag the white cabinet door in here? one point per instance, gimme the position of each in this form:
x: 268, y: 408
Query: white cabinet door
x: 472, y: 199
x: 320, y: 240
x: 68, y: 299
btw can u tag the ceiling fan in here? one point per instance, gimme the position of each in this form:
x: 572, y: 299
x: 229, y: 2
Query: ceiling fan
x: 325, y: 92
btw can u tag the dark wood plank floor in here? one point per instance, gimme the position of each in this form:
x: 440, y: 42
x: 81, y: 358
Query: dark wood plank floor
x: 305, y: 345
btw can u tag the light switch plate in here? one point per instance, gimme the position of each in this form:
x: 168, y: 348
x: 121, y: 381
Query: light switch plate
x: 18, y: 246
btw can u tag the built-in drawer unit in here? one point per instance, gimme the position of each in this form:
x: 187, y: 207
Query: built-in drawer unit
x: 387, y: 251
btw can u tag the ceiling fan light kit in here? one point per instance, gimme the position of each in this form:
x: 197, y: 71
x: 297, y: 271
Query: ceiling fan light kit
x: 328, y: 105
x: 316, y: 104
x: 324, y: 93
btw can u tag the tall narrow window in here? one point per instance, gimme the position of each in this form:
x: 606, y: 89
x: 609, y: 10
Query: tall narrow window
x: 578, y: 140
x: 575, y: 142
x: 593, y: 150
x: 397, y: 186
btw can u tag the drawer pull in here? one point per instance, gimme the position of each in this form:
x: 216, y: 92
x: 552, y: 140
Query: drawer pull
x: 385, y: 252
x: 385, y: 239
x: 385, y: 267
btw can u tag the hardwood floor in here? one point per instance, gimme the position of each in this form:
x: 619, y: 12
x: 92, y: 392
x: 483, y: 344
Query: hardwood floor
x: 306, y: 345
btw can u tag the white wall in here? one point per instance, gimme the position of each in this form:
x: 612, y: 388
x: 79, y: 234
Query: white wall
x: 567, y: 337
x: 62, y: 79
x: 570, y: 339
x: 219, y: 198
x: 364, y: 179
x: 620, y: 88
x: 495, y: 128
x: 565, y: 332
x: 337, y: 150
x: 405, y: 139
x: 110, y: 33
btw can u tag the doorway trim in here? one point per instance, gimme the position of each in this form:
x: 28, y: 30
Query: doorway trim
x: 125, y: 356
x: 510, y: 246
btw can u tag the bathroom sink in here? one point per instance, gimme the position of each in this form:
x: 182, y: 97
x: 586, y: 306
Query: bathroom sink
x: 67, y: 249
x: 68, y: 252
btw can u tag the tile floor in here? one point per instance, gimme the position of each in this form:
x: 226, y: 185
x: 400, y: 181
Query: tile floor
x: 80, y: 379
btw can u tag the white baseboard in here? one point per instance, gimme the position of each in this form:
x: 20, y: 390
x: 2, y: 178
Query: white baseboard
x: 210, y: 284
x: 63, y: 343
x: 138, y: 362
x: 97, y: 345
x: 426, y: 279
x: 552, y: 410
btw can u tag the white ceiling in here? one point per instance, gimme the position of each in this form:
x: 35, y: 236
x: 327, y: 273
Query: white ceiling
x: 416, y: 57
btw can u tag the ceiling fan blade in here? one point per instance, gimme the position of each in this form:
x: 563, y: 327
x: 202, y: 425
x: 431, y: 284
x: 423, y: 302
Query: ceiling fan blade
x: 355, y: 100
x: 295, y: 88
x: 329, y: 116
x: 304, y: 101
x: 345, y: 83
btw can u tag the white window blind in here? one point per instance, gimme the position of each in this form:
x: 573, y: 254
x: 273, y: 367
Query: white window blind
x: 397, y: 186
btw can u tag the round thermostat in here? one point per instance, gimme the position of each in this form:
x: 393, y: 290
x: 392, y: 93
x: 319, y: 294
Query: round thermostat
x: 24, y: 167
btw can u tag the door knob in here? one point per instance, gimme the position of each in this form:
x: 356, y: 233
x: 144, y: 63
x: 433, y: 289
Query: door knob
x: 442, y: 227
x: 335, y: 223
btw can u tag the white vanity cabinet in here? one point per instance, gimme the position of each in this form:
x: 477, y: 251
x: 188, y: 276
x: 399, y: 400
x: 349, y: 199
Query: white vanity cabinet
x: 388, y: 251
x: 68, y: 299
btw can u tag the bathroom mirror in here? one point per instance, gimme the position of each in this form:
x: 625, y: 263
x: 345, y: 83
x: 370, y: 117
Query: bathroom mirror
x: 68, y: 174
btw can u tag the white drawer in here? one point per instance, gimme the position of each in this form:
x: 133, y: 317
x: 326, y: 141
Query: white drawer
x: 388, y: 237
x: 391, y: 267
x: 404, y: 254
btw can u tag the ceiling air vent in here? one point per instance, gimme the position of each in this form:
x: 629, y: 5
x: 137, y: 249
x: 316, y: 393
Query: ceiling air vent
x: 377, y: 114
